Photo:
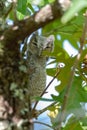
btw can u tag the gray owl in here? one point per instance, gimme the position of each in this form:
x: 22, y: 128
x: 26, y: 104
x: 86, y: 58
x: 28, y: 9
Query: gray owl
x: 37, y: 47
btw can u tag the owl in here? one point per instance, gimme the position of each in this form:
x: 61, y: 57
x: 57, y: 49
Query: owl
x: 38, y: 48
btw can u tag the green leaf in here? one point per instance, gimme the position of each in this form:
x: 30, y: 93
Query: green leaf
x: 20, y: 16
x: 76, y: 96
x: 21, y: 6
x: 74, y: 126
x: 76, y: 6
x: 73, y: 28
x: 50, y: 1
x: 84, y: 122
x: 77, y: 93
x: 65, y: 73
x: 36, y: 2
x: 30, y: 7
x: 51, y: 72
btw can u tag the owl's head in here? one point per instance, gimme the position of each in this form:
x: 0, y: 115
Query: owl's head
x: 40, y: 44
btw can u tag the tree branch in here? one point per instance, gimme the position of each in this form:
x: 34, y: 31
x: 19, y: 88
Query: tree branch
x: 24, y: 28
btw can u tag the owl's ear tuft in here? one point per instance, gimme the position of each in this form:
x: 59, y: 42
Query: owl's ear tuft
x: 34, y: 37
x: 51, y: 38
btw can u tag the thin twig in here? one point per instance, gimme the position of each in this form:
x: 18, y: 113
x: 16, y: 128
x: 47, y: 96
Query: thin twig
x: 82, y: 39
x: 57, y: 73
x: 43, y: 110
x: 37, y: 122
x: 8, y: 11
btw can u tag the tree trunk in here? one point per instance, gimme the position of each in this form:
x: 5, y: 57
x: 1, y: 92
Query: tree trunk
x: 14, y: 101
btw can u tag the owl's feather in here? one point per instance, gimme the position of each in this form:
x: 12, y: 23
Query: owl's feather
x: 37, y: 62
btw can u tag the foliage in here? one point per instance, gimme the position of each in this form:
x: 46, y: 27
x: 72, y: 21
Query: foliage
x: 68, y: 28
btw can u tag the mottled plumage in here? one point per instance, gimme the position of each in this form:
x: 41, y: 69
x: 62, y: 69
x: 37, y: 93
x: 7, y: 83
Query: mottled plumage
x: 37, y: 62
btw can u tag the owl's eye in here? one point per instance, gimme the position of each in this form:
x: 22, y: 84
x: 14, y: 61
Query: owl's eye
x: 34, y: 43
x: 47, y: 47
